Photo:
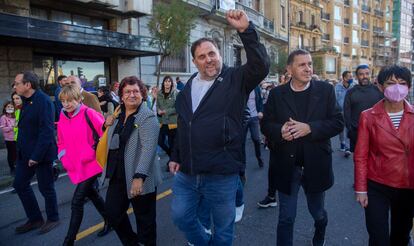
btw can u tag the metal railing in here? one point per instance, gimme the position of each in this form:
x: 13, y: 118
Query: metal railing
x: 347, y: 2
x: 257, y: 18
x: 365, y: 43
x: 346, y: 40
x: 326, y: 36
x: 365, y: 8
x: 325, y: 16
x: 379, y: 12
x: 365, y: 25
x: 378, y: 29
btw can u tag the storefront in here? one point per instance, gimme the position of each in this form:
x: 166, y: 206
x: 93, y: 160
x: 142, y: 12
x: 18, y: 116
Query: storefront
x: 93, y: 72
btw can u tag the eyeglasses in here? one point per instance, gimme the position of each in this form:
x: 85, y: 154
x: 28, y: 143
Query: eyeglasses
x: 16, y: 83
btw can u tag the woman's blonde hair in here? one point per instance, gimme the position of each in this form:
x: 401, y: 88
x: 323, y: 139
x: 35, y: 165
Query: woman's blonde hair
x: 70, y: 93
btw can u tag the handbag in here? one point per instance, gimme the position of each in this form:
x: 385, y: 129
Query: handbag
x: 101, y: 144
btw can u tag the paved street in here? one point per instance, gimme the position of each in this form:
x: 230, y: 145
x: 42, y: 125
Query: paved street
x: 258, y: 226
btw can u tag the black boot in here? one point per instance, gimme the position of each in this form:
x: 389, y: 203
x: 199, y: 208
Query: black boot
x: 105, y: 230
x: 68, y: 242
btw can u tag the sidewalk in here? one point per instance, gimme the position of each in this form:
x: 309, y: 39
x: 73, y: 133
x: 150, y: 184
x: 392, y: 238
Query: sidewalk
x: 5, y: 178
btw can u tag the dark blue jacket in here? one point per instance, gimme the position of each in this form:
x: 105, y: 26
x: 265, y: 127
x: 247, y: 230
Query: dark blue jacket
x: 209, y: 140
x: 36, y: 140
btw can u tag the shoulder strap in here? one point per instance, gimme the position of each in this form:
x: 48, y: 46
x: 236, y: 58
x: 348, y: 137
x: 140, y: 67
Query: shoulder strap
x: 94, y: 132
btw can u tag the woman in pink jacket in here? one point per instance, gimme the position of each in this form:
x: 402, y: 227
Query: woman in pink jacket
x: 76, y: 148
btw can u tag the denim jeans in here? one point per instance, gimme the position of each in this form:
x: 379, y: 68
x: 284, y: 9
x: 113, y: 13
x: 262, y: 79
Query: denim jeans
x: 44, y: 174
x: 253, y: 125
x: 203, y: 211
x: 214, y: 192
x: 287, y: 210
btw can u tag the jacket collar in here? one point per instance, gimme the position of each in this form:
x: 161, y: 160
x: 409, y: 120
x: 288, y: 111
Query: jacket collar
x: 187, y: 91
x: 378, y: 108
x: 76, y: 112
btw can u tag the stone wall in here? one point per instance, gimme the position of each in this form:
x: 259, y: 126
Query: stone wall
x: 16, y: 7
x: 13, y: 59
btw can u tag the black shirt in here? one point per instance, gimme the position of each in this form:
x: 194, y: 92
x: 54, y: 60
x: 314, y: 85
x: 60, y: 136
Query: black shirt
x: 116, y: 162
x: 301, y: 102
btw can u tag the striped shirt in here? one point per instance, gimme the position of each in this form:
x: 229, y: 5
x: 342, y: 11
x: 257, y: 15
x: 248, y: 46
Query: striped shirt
x: 396, y: 118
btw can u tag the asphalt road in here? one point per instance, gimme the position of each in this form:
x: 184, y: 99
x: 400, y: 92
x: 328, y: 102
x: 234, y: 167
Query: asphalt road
x: 258, y: 227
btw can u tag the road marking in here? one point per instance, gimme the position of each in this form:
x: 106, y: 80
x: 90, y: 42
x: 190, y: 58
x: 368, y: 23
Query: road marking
x: 32, y: 183
x: 99, y: 226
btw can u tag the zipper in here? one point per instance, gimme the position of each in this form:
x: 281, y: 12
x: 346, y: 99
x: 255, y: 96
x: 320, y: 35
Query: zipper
x: 225, y: 134
x: 191, y: 151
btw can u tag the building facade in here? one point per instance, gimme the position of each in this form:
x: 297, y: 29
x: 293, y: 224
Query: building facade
x: 402, y: 31
x: 265, y: 14
x: 306, y: 23
x: 96, y: 40
x: 359, y: 30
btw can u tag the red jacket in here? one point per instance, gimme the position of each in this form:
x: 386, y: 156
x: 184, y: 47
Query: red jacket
x: 384, y: 154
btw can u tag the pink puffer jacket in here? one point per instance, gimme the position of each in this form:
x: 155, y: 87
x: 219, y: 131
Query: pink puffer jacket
x: 75, y: 141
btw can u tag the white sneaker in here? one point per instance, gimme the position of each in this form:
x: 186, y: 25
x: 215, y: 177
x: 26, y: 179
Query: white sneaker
x: 239, y: 213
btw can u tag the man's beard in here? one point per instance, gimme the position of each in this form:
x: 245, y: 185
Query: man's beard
x: 365, y: 82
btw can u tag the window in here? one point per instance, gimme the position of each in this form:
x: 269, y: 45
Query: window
x: 61, y: 17
x: 68, y: 18
x: 338, y: 48
x: 355, y: 37
x: 81, y: 20
x: 337, y: 13
x: 337, y: 33
x: 301, y: 41
x: 356, y: 3
x: 282, y: 16
x: 175, y: 63
x: 314, y: 44
x: 300, y: 16
x: 330, y: 65
x: 355, y: 18
x: 313, y: 20
x: 354, y: 52
x: 38, y: 13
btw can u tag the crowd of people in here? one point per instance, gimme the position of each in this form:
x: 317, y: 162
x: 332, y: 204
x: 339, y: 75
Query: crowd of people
x: 202, y: 127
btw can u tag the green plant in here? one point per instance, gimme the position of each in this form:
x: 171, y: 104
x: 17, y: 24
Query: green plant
x: 170, y: 28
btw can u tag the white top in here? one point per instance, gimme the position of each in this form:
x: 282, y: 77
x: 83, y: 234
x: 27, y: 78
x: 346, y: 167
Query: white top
x: 396, y: 118
x: 199, y: 89
x: 251, y: 104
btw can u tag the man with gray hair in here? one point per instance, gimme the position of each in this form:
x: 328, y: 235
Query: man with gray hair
x: 88, y: 98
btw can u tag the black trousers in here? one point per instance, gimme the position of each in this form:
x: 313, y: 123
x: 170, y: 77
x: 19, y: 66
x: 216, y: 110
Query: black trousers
x: 83, y: 190
x: 164, y: 132
x: 382, y: 199
x: 117, y: 204
x: 11, y: 154
x: 271, y: 180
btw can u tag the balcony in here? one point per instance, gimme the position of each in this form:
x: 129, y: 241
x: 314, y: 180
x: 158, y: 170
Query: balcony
x: 364, y: 43
x: 379, y: 12
x: 346, y: 40
x: 365, y: 26
x: 38, y: 32
x: 257, y: 18
x: 347, y: 3
x: 378, y: 29
x: 345, y: 55
x: 365, y: 8
x: 200, y: 4
x: 128, y: 8
x: 325, y: 16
